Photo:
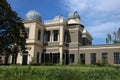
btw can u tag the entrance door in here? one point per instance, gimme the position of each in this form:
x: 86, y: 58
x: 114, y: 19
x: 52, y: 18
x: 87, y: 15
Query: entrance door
x: 25, y: 58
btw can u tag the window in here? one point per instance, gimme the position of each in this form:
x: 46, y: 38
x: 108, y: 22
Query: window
x: 27, y: 32
x: 80, y: 36
x: 56, y: 57
x: 116, y: 57
x: 14, y: 58
x: 93, y: 58
x: 55, y: 32
x: 71, y: 58
x: 65, y: 37
x: 38, y: 57
x: 82, y: 58
x: 104, y: 57
x: 39, y: 34
x: 47, y: 36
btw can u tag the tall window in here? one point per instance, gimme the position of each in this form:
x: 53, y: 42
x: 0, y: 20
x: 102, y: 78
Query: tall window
x: 71, y: 58
x: 65, y: 36
x: 27, y: 32
x: 116, y: 57
x: 82, y: 58
x: 80, y: 36
x: 39, y: 34
x: 93, y: 58
x: 38, y: 57
x: 104, y: 57
x: 47, y: 36
x: 55, y: 32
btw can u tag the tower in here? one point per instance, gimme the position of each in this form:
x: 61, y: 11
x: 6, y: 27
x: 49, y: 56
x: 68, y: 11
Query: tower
x: 34, y: 42
x: 75, y: 36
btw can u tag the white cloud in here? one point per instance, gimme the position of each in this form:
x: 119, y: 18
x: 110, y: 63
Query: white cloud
x: 99, y: 17
x: 101, y: 30
x: 94, y: 5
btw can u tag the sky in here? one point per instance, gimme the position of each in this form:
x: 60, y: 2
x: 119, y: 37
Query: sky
x: 99, y: 17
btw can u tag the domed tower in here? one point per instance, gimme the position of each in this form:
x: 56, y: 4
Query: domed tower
x: 34, y: 33
x: 75, y: 35
x: 74, y: 18
x: 33, y: 15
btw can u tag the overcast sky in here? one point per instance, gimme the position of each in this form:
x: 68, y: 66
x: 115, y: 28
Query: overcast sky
x: 98, y: 16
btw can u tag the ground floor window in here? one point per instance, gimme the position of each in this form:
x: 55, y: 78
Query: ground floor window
x: 14, y: 58
x: 50, y: 58
x: 104, y: 57
x: 71, y: 58
x: 65, y: 57
x: 82, y: 58
x: 38, y: 57
x: 93, y: 58
x: 6, y: 58
x: 0, y: 59
x: 116, y: 57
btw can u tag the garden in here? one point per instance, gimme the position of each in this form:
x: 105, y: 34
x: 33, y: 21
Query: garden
x: 59, y: 73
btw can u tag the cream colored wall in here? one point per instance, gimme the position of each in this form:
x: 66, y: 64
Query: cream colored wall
x: 40, y: 50
x: 99, y: 50
x: 33, y: 43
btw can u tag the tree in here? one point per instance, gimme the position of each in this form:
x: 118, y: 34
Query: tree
x: 12, y: 30
x: 114, y: 38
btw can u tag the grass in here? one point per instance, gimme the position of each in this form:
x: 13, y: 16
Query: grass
x: 58, y: 73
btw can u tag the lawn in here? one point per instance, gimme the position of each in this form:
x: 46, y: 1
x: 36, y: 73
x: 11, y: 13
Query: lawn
x: 58, y: 73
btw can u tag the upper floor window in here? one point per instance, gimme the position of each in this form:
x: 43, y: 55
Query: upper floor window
x: 55, y: 32
x: 65, y: 37
x: 116, y: 57
x: 39, y: 34
x: 47, y: 36
x: 27, y: 32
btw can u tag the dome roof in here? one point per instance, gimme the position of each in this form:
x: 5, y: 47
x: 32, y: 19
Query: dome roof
x: 33, y: 15
x: 74, y: 15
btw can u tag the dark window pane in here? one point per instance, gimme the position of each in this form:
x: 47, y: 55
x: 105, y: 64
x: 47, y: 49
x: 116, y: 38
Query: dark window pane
x: 27, y: 32
x: 71, y: 58
x: 93, y: 58
x: 39, y: 34
x: 47, y: 36
x: 117, y: 58
x: 66, y: 36
x: 82, y: 58
x: 38, y: 57
x: 104, y: 57
x: 55, y: 32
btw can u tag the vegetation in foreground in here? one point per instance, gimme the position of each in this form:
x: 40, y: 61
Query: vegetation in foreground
x: 58, y: 73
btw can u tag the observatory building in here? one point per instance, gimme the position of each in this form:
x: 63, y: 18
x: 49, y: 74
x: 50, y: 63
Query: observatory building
x: 62, y: 41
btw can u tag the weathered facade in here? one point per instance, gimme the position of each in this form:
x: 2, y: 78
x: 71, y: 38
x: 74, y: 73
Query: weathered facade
x: 61, y: 41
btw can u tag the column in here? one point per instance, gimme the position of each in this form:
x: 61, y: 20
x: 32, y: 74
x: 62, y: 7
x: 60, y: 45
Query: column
x: 61, y: 52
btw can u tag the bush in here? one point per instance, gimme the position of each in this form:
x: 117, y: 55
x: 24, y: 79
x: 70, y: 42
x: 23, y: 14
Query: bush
x: 58, y: 73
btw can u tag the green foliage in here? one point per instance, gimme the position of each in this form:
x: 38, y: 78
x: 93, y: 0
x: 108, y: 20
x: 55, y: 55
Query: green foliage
x: 58, y: 73
x: 12, y: 31
x: 102, y: 62
x: 114, y: 38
